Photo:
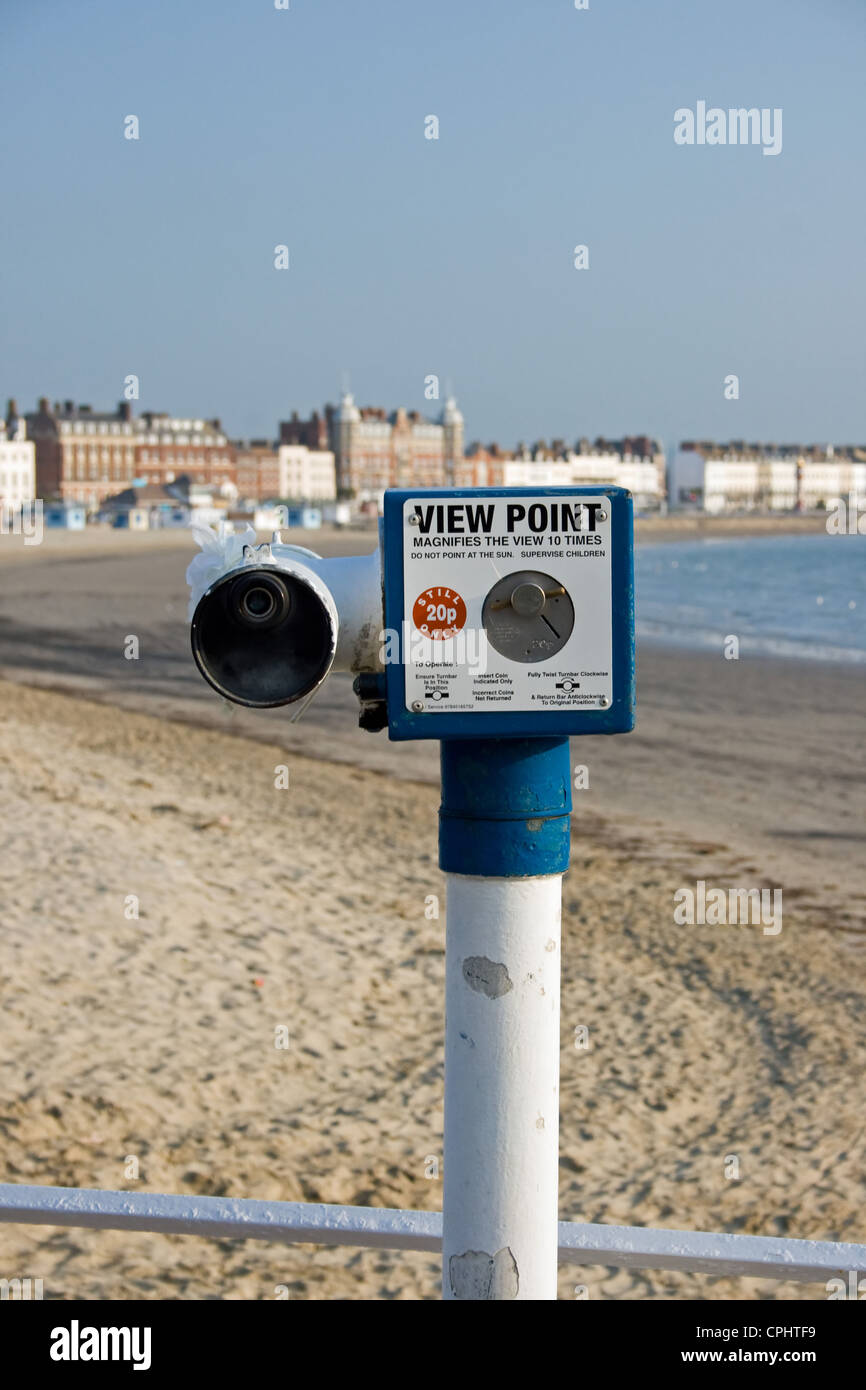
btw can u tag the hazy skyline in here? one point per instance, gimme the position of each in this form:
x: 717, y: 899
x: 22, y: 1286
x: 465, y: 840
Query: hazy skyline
x: 306, y: 127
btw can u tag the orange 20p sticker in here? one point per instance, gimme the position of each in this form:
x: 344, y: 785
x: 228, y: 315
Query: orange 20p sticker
x: 439, y: 613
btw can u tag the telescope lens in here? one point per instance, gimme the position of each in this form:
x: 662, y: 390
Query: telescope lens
x: 263, y: 637
x: 258, y: 603
x: 261, y: 600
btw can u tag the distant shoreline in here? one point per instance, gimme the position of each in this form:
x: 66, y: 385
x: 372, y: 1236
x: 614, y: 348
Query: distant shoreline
x: 701, y: 526
x: 98, y: 540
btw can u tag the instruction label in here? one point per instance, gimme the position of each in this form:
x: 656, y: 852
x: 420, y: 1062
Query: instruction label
x: 507, y: 603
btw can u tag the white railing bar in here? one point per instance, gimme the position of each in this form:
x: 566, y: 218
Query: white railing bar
x: 708, y: 1252
x: 242, y: 1218
x: 235, y: 1218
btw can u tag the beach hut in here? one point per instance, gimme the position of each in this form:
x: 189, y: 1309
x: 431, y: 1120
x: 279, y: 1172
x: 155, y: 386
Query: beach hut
x: 132, y: 519
x: 303, y: 518
x: 69, y: 516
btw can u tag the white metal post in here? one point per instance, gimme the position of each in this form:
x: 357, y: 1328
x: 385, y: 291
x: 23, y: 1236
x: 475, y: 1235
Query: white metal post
x: 503, y: 844
x: 501, y: 1087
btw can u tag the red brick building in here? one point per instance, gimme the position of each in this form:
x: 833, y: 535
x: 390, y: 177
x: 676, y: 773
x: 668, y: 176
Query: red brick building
x: 375, y: 449
x: 257, y: 470
x: 81, y: 455
x: 168, y: 447
x: 315, y: 433
x: 84, y: 455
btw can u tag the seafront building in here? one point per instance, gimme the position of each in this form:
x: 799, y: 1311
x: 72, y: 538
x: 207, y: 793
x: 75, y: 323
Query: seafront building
x: 257, y: 469
x: 636, y: 463
x: 17, y: 464
x: 764, y: 477
x: 306, y: 474
x: 169, y: 447
x: 84, y: 456
x: 374, y: 449
x: 81, y: 455
x: 70, y: 454
x: 266, y: 472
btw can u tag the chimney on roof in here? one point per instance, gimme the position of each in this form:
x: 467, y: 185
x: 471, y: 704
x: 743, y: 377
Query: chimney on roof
x: 124, y: 410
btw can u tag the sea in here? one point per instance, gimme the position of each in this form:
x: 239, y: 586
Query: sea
x: 802, y: 597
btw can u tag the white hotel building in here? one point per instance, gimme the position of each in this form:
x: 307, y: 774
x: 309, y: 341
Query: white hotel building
x: 309, y: 474
x: 17, y: 464
x: 643, y: 473
x: 738, y: 477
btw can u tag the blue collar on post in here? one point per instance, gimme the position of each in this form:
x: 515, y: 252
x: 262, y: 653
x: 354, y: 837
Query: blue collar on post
x: 505, y: 807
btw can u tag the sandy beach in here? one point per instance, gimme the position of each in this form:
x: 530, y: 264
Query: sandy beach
x: 152, y: 1038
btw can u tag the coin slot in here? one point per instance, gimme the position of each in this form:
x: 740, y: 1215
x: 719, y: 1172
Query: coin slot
x: 528, y: 616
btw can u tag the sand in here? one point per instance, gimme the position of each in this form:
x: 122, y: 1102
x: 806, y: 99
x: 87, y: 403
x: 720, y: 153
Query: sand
x: 759, y: 756
x: 153, y: 1038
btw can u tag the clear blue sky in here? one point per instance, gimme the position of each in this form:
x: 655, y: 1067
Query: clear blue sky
x: 411, y: 256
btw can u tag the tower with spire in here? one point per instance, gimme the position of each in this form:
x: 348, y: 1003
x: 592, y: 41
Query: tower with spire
x: 452, y: 425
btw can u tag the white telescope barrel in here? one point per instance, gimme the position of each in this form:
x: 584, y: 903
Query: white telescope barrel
x: 271, y: 621
x: 355, y: 585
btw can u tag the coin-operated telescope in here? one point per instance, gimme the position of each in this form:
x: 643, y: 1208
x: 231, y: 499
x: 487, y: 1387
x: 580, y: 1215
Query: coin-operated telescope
x: 271, y: 621
x: 501, y: 622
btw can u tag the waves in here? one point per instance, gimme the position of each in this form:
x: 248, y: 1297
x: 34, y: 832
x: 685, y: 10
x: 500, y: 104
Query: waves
x: 800, y: 597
